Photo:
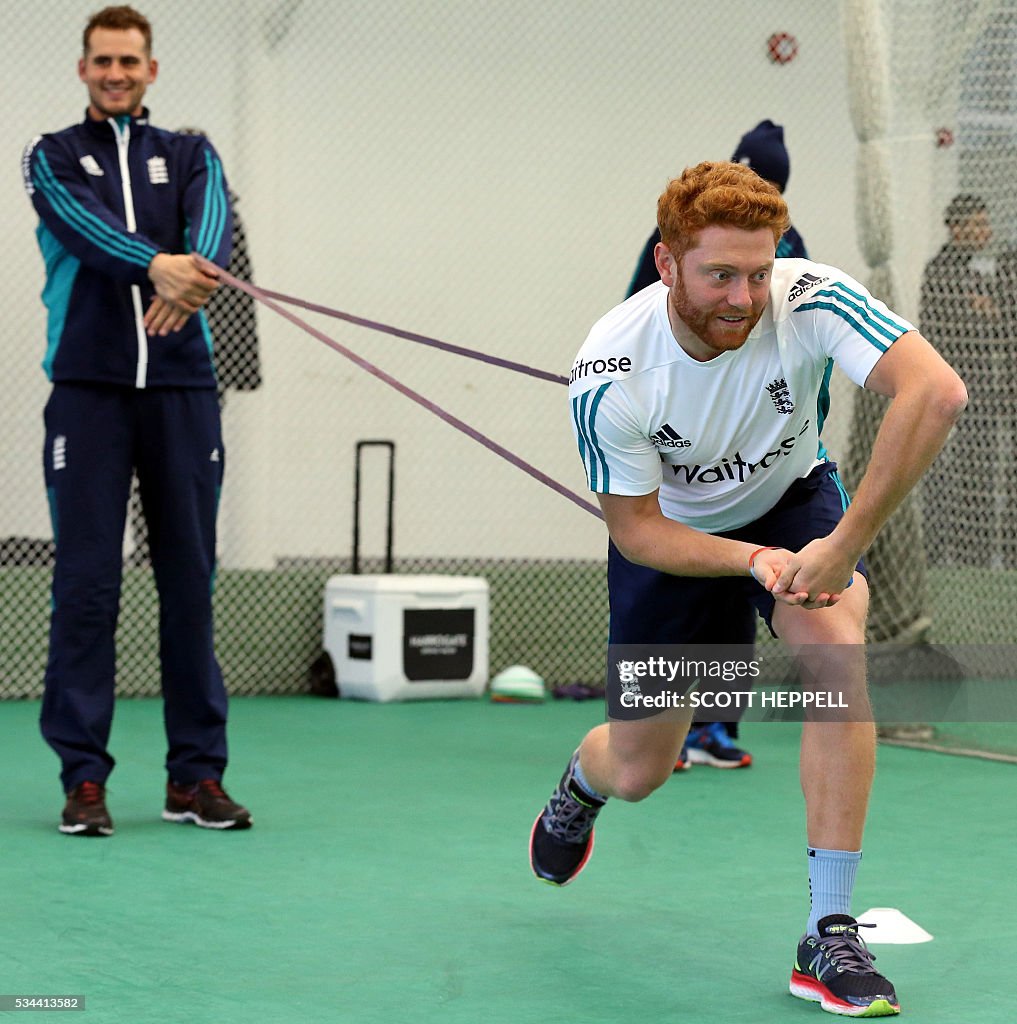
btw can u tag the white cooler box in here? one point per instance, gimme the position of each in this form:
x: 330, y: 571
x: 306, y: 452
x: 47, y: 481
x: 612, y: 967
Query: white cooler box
x: 407, y: 637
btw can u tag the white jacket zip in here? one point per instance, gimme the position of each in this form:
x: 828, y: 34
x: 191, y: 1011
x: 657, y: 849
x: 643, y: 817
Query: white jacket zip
x: 123, y: 137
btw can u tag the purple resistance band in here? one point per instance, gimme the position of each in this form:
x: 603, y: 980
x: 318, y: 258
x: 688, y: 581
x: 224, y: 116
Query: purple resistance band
x: 272, y: 299
x: 398, y: 332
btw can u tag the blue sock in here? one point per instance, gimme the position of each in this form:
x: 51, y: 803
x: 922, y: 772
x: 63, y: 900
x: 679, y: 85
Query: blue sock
x: 577, y: 774
x: 831, y: 881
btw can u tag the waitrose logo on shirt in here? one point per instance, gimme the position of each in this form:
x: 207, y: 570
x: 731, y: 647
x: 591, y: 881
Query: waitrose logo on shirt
x: 735, y: 467
x: 584, y: 367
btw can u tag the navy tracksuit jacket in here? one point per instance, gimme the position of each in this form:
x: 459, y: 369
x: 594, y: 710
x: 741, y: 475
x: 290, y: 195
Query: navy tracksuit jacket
x: 110, y: 195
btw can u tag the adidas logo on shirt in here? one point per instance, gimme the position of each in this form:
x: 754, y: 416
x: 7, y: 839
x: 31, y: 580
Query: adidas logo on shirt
x: 668, y: 437
x: 805, y: 283
x: 91, y: 165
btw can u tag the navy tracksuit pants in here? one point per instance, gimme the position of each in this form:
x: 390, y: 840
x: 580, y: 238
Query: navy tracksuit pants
x: 96, y: 438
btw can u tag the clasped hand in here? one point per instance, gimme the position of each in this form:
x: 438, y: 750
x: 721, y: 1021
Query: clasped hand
x: 814, y: 577
x: 181, y: 288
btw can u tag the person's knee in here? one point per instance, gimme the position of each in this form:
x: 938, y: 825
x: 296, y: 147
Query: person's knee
x: 636, y: 781
x: 842, y: 632
x: 88, y: 602
x: 830, y: 633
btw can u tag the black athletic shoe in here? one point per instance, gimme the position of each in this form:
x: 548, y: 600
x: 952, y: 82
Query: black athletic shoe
x: 835, y: 970
x: 85, y: 812
x: 205, y: 803
x: 562, y: 837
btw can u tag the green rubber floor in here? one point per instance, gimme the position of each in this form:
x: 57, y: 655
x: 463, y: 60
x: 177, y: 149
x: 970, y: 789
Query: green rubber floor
x: 386, y: 879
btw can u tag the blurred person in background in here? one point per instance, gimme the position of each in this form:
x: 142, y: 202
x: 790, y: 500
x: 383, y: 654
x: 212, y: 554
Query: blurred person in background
x: 966, y: 312
x: 763, y: 150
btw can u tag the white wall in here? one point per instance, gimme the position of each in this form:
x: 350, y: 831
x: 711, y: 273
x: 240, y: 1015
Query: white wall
x: 481, y: 172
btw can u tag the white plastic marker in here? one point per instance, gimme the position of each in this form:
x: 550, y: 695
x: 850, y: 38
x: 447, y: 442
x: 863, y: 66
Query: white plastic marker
x: 893, y: 927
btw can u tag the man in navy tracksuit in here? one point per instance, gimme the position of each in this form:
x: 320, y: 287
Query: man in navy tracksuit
x: 121, y: 207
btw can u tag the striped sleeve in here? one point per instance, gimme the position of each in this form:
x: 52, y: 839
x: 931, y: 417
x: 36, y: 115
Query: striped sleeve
x: 207, y: 207
x: 619, y: 458
x: 584, y: 423
x: 857, y: 308
x: 77, y: 219
x: 851, y: 325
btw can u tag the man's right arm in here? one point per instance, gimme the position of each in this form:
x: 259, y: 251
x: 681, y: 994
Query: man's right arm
x: 619, y: 456
x: 78, y: 219
x: 91, y: 232
x: 645, y: 536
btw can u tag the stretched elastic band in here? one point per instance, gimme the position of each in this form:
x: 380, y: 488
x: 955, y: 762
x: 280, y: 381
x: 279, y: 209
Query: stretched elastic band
x: 476, y: 435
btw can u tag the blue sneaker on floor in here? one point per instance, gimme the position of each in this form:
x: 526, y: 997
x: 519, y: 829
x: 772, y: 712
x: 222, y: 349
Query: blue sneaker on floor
x: 683, y: 764
x: 710, y: 744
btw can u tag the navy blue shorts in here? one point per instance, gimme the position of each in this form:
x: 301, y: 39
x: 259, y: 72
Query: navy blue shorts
x: 653, y: 607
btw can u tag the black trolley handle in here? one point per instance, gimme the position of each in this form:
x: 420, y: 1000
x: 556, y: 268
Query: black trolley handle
x: 361, y: 445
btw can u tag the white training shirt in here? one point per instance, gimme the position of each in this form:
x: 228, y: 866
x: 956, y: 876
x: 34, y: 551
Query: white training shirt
x: 724, y: 439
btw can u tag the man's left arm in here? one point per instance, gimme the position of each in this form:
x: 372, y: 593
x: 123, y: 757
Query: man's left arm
x: 206, y: 204
x: 926, y: 398
x: 208, y: 217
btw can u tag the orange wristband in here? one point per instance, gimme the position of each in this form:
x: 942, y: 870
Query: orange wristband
x: 752, y: 558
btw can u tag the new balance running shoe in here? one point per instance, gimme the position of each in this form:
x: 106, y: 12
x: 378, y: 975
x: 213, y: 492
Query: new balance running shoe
x: 85, y: 812
x: 835, y: 970
x: 206, y: 804
x: 710, y: 744
x: 562, y: 837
